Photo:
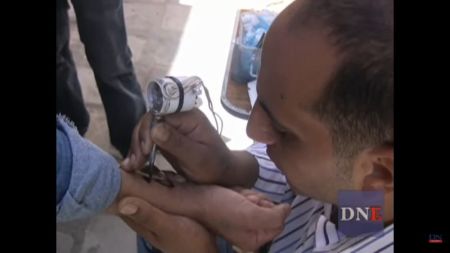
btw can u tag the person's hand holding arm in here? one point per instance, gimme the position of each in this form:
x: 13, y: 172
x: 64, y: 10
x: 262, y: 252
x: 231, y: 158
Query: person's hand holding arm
x: 189, y: 139
x: 244, y: 219
x: 173, y: 233
x: 169, y: 233
x: 97, y: 183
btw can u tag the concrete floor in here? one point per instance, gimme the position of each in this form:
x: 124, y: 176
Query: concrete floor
x: 190, y: 37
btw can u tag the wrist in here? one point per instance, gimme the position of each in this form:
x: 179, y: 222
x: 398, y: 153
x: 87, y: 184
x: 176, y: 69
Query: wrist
x: 241, y: 170
x: 124, y: 191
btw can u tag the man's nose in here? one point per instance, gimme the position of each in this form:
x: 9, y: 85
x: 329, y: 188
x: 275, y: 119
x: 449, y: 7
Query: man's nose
x: 259, y: 126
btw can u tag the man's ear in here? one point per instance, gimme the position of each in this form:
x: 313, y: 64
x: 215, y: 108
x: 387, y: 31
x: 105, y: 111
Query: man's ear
x: 376, y: 169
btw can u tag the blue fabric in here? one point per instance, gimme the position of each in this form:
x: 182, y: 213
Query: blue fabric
x: 63, y: 163
x: 90, y: 182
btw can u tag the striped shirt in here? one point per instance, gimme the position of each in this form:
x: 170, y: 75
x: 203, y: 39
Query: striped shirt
x: 308, y: 227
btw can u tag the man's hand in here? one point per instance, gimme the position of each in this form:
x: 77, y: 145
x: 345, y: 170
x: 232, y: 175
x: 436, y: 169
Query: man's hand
x: 170, y: 233
x: 189, y: 140
x: 247, y: 220
x: 255, y: 197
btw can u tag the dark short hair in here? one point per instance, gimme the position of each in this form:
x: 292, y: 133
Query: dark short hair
x: 358, y: 102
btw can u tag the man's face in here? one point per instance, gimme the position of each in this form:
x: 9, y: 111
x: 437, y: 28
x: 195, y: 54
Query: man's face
x: 295, y: 70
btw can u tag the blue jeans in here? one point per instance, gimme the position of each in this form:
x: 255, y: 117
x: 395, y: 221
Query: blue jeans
x: 144, y: 247
x: 102, y: 30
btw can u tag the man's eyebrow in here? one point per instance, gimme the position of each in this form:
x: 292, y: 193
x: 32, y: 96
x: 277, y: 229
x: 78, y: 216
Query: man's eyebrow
x: 272, y: 118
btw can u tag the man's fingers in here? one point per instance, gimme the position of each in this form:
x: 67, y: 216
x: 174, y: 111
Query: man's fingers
x: 248, y: 192
x: 186, y: 122
x: 144, y: 134
x: 186, y: 151
x: 276, y: 214
x: 194, y: 124
x: 134, y: 159
x: 176, y: 178
x: 143, y: 213
x: 138, y: 159
x: 282, y: 212
x: 265, y: 203
x: 126, y: 164
x: 284, y: 209
x: 255, y: 197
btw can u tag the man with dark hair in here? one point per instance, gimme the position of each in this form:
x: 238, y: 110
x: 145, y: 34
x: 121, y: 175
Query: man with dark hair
x: 322, y: 123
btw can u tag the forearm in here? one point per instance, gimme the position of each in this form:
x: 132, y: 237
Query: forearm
x: 223, y: 211
x: 198, y: 202
x: 183, y: 199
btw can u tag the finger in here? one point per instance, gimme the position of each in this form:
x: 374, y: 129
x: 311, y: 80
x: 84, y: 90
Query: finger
x: 188, y: 121
x: 144, y: 134
x: 254, y: 199
x: 265, y: 203
x: 137, y: 159
x: 187, y: 151
x: 176, y: 178
x: 194, y: 124
x: 281, y: 213
x: 284, y: 210
x: 126, y: 163
x: 247, y: 192
x: 130, y: 163
x: 277, y: 215
x: 257, y: 200
x: 143, y: 213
